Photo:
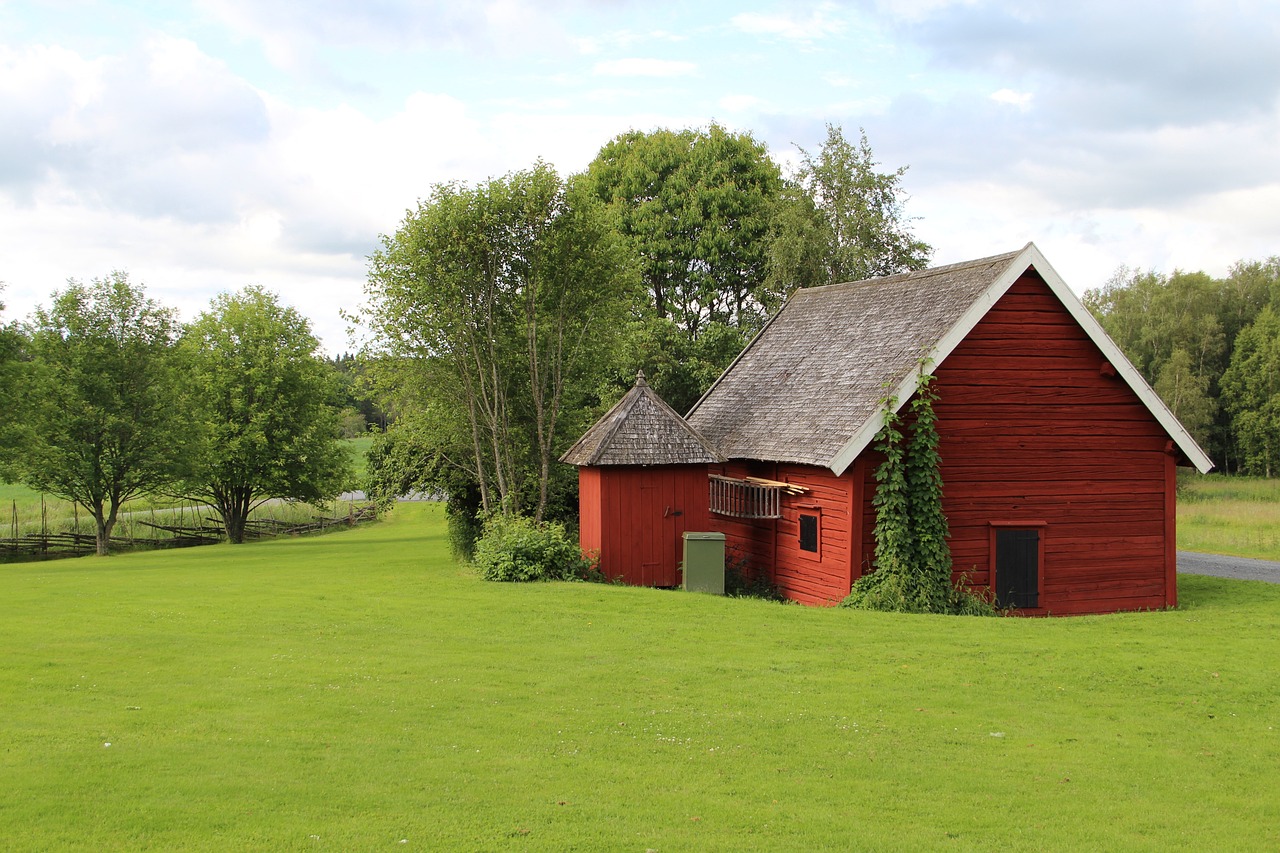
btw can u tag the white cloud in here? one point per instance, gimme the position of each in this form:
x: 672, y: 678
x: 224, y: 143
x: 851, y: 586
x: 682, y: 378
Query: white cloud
x: 824, y: 21
x: 163, y: 129
x: 1111, y: 64
x: 1021, y: 100
x: 624, y: 40
x: 637, y: 67
x: 917, y: 10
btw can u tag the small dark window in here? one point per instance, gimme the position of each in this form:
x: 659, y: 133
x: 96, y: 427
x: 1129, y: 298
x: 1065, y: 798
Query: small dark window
x: 1017, y: 567
x: 809, y: 533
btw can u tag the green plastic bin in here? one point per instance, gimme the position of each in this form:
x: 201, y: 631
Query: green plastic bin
x: 704, y: 563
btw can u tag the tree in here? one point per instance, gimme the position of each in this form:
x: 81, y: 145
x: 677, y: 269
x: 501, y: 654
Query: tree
x: 696, y: 207
x: 500, y: 307
x: 678, y: 369
x: 360, y: 412
x: 847, y: 221
x: 1251, y: 393
x: 265, y: 400
x: 1150, y: 316
x: 102, y: 415
x: 419, y: 453
x: 11, y: 348
x: 1186, y: 393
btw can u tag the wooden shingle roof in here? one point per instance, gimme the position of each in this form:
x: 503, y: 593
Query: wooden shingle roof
x: 641, y: 430
x: 809, y: 387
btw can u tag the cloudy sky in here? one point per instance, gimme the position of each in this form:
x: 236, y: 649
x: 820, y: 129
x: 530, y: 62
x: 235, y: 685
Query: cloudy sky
x: 206, y: 145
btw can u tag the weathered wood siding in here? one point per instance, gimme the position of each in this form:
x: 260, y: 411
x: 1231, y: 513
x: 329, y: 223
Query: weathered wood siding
x: 635, y: 518
x: 774, y: 544
x: 1034, y: 431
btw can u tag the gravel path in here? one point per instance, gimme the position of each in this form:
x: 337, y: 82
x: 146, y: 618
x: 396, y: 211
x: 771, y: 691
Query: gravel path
x: 1242, y: 568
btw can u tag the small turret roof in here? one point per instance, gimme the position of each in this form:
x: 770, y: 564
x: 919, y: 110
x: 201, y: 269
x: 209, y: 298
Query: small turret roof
x: 641, y: 430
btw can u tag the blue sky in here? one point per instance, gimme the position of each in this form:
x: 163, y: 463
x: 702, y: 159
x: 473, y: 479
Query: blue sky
x: 207, y: 145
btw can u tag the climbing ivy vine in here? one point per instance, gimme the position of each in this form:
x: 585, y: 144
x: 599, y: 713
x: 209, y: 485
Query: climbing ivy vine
x: 913, y: 560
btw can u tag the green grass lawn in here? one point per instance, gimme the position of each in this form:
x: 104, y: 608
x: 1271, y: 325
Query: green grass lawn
x: 360, y: 691
x: 358, y: 448
x: 1230, y: 515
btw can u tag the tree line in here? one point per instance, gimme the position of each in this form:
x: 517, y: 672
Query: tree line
x: 106, y: 397
x: 504, y: 317
x: 1210, y: 347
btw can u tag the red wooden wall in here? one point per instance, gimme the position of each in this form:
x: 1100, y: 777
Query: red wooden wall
x: 635, y: 518
x: 774, y: 545
x: 1032, y: 430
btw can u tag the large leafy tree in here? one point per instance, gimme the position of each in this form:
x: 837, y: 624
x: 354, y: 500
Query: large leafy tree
x: 494, y: 310
x: 696, y: 207
x: 265, y: 399
x: 103, y: 420
x: 1251, y: 393
x: 722, y: 238
x: 845, y: 220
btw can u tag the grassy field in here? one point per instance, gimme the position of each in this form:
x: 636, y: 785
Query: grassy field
x: 25, y: 511
x: 359, y: 449
x: 1230, y: 515
x: 360, y: 691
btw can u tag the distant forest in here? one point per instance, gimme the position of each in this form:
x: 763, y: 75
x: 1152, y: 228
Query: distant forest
x: 1211, y: 349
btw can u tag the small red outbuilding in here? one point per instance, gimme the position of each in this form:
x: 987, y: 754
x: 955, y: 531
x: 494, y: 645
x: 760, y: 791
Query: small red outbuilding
x: 1058, y: 460
x: 642, y: 482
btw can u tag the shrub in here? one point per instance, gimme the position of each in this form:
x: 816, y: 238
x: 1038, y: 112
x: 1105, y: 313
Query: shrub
x: 889, y: 592
x: 589, y: 570
x: 513, y: 548
x: 464, y: 530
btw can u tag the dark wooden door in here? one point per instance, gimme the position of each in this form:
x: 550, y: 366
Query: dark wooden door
x: 1018, y: 567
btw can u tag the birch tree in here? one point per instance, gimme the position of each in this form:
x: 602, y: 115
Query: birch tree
x: 847, y: 221
x: 495, y: 305
x: 1251, y: 393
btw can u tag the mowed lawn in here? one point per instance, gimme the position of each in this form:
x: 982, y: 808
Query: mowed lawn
x: 360, y: 691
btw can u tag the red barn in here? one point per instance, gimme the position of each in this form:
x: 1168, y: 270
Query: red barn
x: 1058, y: 460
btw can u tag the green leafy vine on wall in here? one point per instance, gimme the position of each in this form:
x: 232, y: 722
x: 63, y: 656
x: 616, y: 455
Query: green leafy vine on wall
x: 913, y: 560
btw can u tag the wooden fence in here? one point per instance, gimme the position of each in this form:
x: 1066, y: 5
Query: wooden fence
x: 209, y: 531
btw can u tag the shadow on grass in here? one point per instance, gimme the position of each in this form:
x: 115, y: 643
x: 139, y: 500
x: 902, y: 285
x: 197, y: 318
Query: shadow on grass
x: 1206, y: 592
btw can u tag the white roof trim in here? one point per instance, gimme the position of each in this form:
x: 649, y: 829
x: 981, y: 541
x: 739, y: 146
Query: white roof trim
x: 1029, y: 257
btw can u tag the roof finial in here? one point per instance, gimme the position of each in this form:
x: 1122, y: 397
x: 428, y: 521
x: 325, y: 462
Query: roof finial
x: 640, y: 383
